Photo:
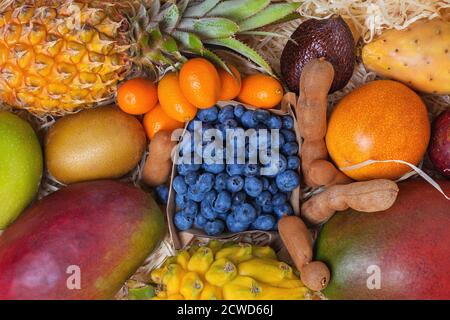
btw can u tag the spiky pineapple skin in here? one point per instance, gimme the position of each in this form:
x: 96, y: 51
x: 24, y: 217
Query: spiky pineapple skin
x: 59, y: 56
x: 418, y: 56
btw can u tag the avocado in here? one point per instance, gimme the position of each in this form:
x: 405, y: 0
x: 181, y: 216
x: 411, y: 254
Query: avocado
x: 331, y: 39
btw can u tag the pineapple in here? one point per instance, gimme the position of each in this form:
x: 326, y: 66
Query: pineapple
x: 61, y: 56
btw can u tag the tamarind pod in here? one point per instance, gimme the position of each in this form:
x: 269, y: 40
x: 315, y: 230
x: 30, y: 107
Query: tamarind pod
x: 158, y: 165
x: 324, y: 173
x: 311, y: 151
x: 297, y: 239
x: 315, y: 83
x: 367, y: 196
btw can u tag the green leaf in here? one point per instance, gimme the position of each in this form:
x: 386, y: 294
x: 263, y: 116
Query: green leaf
x: 263, y: 34
x: 238, y: 10
x: 142, y: 293
x: 271, y: 14
x: 170, y: 18
x: 200, y: 9
x: 209, y: 28
x: 182, y: 5
x: 154, y: 8
x: 188, y: 41
x: 292, y: 16
x: 243, y: 49
x: 214, y: 58
x: 169, y: 45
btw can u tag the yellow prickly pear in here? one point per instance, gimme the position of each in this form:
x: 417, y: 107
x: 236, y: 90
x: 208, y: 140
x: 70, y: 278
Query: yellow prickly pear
x: 215, y: 245
x: 183, y: 258
x: 211, y: 292
x: 221, y: 272
x: 264, y: 252
x: 236, y: 253
x: 418, y: 56
x: 172, y: 278
x: 157, y: 275
x: 266, y: 270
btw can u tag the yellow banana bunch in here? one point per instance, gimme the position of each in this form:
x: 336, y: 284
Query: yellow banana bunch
x: 227, y: 271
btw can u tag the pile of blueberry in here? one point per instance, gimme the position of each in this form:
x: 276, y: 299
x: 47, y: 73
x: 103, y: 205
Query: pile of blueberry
x: 220, y: 196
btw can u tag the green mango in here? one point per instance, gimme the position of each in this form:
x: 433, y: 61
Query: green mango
x: 21, y: 166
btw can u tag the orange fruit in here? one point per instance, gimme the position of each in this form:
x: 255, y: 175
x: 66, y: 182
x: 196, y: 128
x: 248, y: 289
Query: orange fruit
x: 137, y: 96
x: 172, y: 100
x: 230, y: 86
x: 200, y: 83
x: 261, y: 91
x: 157, y: 120
x: 382, y: 120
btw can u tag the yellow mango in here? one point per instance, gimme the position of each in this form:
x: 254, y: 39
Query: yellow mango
x: 191, y: 286
x: 211, y: 292
x: 264, y: 252
x: 236, y: 254
x: 172, y: 278
x: 221, y: 272
x: 201, y: 260
x: 266, y: 270
x: 183, y: 257
x: 157, y: 275
x: 215, y: 246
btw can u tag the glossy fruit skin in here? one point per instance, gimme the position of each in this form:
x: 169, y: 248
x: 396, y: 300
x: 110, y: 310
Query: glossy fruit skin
x: 172, y: 100
x: 331, y: 39
x: 200, y: 83
x: 382, y: 120
x: 261, y: 91
x: 21, y: 166
x: 157, y: 120
x: 408, y: 242
x: 440, y: 144
x: 100, y: 143
x: 137, y: 96
x: 230, y: 86
x: 106, y: 228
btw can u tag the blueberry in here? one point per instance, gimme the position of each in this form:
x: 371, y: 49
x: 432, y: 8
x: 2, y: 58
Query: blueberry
x: 214, y: 167
x: 214, y: 227
x: 221, y: 182
x: 195, y: 193
x: 273, y: 188
x: 276, y: 166
x: 279, y: 198
x: 235, y: 169
x: 200, y: 221
x: 265, y: 183
x: 222, y: 202
x: 293, y: 162
x: 258, y: 208
x: 235, y: 226
x: 283, y: 210
x: 290, y: 148
x: 244, y: 213
x: 191, y: 178
x: 288, y: 180
x: 248, y: 119
x: 288, y: 122
x: 207, y: 211
x: 230, y: 124
x: 239, y: 110
x: 181, y: 200
x: 264, y: 199
x: 279, y: 141
x: 289, y: 136
x: 205, y: 181
x: 253, y: 186
x: 191, y: 125
x: 210, y: 196
x: 274, y: 122
x: 208, y: 115
x: 183, y: 221
x: 179, y: 185
x: 162, y: 194
x: 191, y: 209
x: 238, y: 198
x: 264, y: 222
x: 251, y: 169
x: 222, y: 215
x: 267, y: 208
x: 262, y: 115
x: 183, y: 168
x: 226, y: 113
x: 235, y: 183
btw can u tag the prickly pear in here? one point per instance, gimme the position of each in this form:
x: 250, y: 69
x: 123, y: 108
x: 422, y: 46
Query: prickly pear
x: 419, y: 55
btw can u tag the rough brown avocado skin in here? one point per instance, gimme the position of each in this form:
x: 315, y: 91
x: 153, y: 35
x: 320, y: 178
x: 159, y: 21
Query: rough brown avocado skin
x: 329, y: 38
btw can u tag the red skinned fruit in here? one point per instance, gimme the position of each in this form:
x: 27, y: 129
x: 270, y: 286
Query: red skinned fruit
x: 439, y: 150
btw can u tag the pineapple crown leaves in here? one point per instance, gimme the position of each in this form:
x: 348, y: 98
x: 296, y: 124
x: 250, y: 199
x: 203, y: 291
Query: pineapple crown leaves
x: 196, y: 27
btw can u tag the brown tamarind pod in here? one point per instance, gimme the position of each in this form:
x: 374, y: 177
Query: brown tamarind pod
x: 324, y: 173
